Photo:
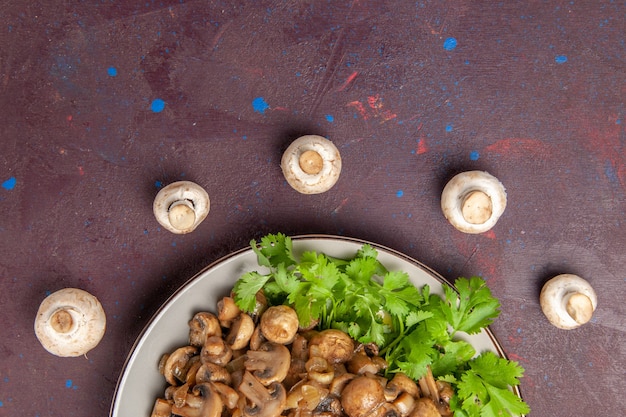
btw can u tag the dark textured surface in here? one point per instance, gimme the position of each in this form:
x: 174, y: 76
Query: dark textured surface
x: 533, y: 93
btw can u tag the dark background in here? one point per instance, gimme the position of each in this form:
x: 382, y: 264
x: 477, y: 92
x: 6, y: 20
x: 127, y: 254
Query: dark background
x: 411, y: 92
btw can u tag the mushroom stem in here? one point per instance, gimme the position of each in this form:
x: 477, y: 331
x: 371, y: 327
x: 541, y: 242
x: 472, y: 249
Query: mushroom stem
x: 311, y: 162
x: 181, y: 214
x: 578, y: 306
x: 61, y: 321
x: 477, y: 207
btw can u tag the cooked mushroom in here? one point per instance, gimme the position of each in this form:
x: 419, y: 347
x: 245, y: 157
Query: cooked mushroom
x: 210, y: 372
x: 177, y: 364
x: 201, y: 326
x: 270, y: 363
x: 425, y: 407
x: 227, y: 311
x: 360, y: 364
x: 473, y: 201
x: 263, y: 401
x: 362, y: 395
x: 181, y: 206
x: 240, y: 332
x: 279, y: 324
x: 568, y: 301
x: 215, y: 350
x: 399, y: 384
x: 70, y: 322
x: 333, y: 345
x: 204, y: 402
x: 161, y: 408
x: 311, y: 164
x: 318, y: 369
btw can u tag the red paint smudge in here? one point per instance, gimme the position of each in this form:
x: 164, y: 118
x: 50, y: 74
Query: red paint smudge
x: 490, y: 234
x: 519, y: 147
x: 340, y: 206
x: 81, y: 171
x: 359, y: 108
x: 515, y: 357
x: 349, y: 80
x: 421, y: 146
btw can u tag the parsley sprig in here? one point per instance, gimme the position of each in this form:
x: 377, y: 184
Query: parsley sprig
x: 413, y: 328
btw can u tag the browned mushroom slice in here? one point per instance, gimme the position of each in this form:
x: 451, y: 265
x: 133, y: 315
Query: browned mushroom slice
x: 215, y: 350
x: 262, y: 401
x: 401, y: 383
x: 203, y: 402
x: 240, y: 332
x: 429, y: 386
x: 270, y: 363
x: 210, y: 372
x: 333, y: 345
x: 162, y: 408
x: 201, y: 326
x: 279, y: 324
x: 319, y: 370
x: 362, y: 396
x: 229, y: 395
x: 177, y: 364
x: 425, y: 407
x: 361, y: 364
x: 227, y: 311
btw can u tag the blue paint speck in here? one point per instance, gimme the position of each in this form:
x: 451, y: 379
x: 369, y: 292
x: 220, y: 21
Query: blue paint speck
x: 399, y: 193
x: 329, y: 118
x: 158, y: 184
x: 68, y: 383
x: 474, y: 155
x: 560, y: 59
x: 1, y: 404
x: 449, y: 44
x: 9, y: 184
x: 260, y: 105
x: 449, y: 128
x: 157, y: 105
x: 112, y: 71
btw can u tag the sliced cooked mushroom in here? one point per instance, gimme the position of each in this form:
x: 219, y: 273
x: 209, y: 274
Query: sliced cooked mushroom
x: 263, y: 401
x: 240, y: 332
x: 318, y: 369
x: 162, y: 408
x: 229, y: 395
x: 473, y: 201
x: 70, y: 322
x: 181, y: 206
x: 360, y: 364
x: 401, y: 383
x: 210, y: 372
x: 204, y: 402
x: 270, y: 363
x: 362, y: 396
x: 201, y: 326
x: 227, y: 311
x: 333, y: 345
x: 425, y: 407
x: 311, y: 164
x: 568, y: 301
x: 177, y: 364
x: 279, y: 324
x: 215, y: 350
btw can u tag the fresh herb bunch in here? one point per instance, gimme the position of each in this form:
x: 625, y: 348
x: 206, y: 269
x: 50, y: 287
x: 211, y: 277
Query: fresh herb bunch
x: 413, y: 328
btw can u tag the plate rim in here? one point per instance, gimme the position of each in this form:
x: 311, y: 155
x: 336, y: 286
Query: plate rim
x: 300, y: 237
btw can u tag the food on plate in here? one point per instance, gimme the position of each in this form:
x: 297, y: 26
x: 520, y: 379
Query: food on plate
x: 311, y: 164
x: 367, y: 343
x: 473, y: 201
x: 181, y: 206
x: 568, y: 301
x: 70, y: 322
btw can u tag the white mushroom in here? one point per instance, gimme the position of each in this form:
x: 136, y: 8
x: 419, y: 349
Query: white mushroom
x: 311, y: 164
x: 70, y: 322
x: 181, y: 206
x: 568, y: 301
x: 473, y: 201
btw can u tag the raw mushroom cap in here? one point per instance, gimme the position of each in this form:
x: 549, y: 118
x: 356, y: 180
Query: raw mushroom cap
x: 70, y: 322
x: 473, y: 201
x: 311, y: 164
x: 568, y: 301
x: 181, y: 206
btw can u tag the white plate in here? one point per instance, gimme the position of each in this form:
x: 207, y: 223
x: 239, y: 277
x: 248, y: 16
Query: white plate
x: 141, y: 383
